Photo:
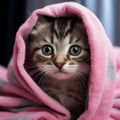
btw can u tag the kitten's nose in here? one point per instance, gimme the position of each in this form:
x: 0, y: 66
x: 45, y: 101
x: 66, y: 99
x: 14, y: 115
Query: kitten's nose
x: 59, y: 64
x: 59, y: 61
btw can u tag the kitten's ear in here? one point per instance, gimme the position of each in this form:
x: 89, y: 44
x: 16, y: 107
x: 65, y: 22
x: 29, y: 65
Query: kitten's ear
x: 41, y: 21
x: 78, y: 19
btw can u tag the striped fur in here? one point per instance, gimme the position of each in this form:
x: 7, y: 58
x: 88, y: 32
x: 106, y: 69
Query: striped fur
x: 60, y: 61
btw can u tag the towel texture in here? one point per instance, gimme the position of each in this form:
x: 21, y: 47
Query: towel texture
x: 22, y: 99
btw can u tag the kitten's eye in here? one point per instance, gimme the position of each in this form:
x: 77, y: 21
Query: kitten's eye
x: 47, y: 50
x: 75, y: 50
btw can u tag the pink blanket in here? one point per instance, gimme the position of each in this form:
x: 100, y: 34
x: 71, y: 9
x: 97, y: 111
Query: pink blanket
x: 22, y: 99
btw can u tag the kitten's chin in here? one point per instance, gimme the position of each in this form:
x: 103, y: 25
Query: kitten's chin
x: 61, y: 75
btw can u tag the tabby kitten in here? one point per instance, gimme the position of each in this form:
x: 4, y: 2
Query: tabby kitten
x: 60, y: 61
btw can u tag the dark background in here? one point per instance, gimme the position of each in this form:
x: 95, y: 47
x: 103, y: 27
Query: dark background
x: 12, y: 15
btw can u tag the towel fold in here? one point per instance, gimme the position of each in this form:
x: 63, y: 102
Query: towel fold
x: 22, y: 99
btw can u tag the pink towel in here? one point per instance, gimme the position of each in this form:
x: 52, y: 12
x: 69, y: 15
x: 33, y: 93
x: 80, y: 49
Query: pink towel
x: 22, y: 99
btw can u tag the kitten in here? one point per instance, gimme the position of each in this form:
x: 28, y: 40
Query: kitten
x: 58, y: 60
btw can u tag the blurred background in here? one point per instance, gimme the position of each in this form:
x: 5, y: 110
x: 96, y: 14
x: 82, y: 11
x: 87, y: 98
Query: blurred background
x: 14, y: 12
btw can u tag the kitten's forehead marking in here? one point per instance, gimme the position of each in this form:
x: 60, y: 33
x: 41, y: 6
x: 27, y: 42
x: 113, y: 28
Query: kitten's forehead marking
x: 63, y: 41
x: 61, y: 27
x: 61, y: 46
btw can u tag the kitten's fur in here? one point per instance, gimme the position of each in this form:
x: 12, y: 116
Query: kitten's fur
x: 60, y: 61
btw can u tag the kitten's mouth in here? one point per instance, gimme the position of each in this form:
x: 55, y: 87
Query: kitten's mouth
x: 60, y: 72
x: 60, y: 75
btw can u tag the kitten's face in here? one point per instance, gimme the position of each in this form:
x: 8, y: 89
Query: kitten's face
x: 60, y: 48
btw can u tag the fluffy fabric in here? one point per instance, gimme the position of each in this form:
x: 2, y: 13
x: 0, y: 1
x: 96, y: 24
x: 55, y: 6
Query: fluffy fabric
x: 22, y: 99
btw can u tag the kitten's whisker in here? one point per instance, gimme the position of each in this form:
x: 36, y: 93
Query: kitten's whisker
x: 82, y: 76
x: 79, y: 77
x: 83, y: 80
x: 45, y: 72
x: 35, y: 71
x: 42, y: 74
x: 85, y: 68
x: 31, y: 67
x: 41, y: 77
x: 37, y: 75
